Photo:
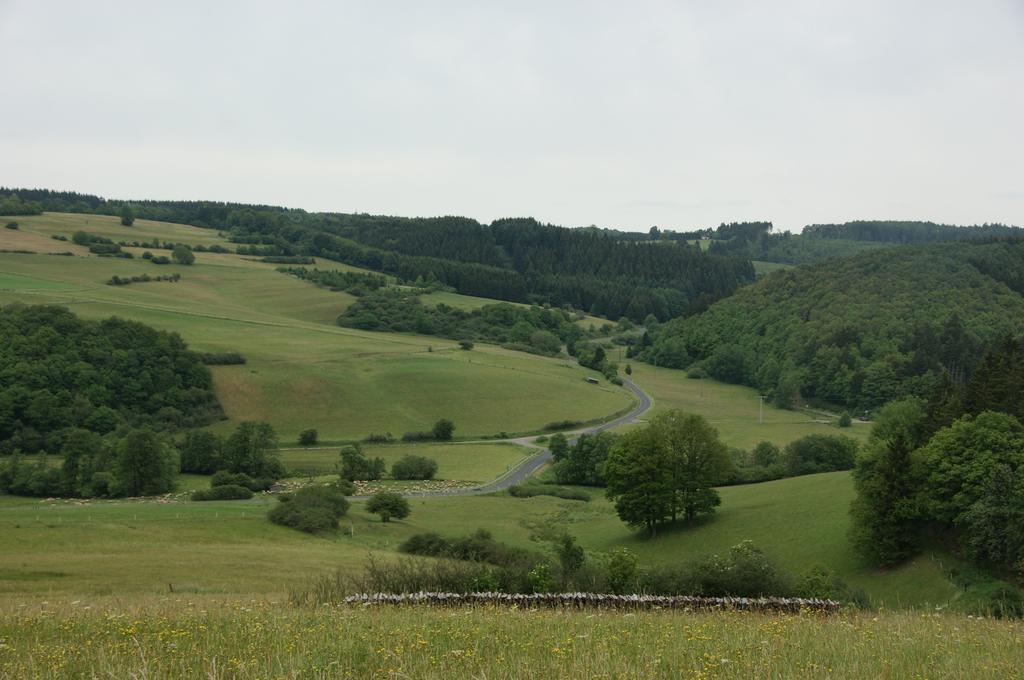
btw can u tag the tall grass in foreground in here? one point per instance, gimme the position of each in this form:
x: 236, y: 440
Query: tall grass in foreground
x: 207, y: 637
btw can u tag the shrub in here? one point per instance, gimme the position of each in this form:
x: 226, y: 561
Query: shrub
x: 562, y: 425
x: 443, y: 430
x: 417, y: 436
x: 697, y: 373
x: 104, y: 248
x: 312, y: 509
x: 225, y: 478
x: 387, y: 504
x: 221, y: 358
x: 844, y: 419
x: 160, y: 259
x: 308, y: 437
x: 466, y: 345
x: 355, y: 466
x: 226, y: 492
x: 479, y: 546
x: 820, y: 453
x: 622, y: 568
x: 11, y: 225
x: 531, y: 490
x: 414, y: 467
x: 182, y: 255
x: 379, y: 438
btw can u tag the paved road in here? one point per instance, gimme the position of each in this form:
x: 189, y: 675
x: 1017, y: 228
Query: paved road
x: 534, y: 462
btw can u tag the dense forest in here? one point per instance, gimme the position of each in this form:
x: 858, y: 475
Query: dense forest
x: 860, y: 331
x: 516, y: 260
x: 59, y: 372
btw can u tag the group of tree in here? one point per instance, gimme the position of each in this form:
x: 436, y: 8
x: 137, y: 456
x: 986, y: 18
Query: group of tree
x: 808, y: 455
x: 857, y: 332
x: 533, y: 329
x: 355, y: 466
x: 251, y: 449
x: 952, y: 467
x: 354, y: 283
x: 141, y: 461
x: 127, y: 462
x: 517, y: 260
x: 59, y: 372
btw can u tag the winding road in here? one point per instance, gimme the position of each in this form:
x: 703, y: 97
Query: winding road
x: 534, y: 462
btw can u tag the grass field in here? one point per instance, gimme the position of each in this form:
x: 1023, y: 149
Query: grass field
x: 733, y: 409
x: 77, y: 546
x: 188, y: 636
x: 303, y: 371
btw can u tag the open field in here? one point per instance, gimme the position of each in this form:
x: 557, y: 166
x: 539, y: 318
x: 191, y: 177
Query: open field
x: 303, y: 371
x: 137, y: 547
x: 189, y: 636
x: 469, y: 461
x: 733, y: 409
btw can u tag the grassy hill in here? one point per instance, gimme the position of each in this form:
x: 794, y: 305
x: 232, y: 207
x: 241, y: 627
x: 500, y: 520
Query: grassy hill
x: 130, y: 547
x: 302, y: 370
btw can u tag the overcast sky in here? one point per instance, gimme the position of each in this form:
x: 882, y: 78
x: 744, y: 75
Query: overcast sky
x: 622, y: 114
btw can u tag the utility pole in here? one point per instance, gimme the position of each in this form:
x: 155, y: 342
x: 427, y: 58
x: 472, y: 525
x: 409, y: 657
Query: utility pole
x: 760, y: 407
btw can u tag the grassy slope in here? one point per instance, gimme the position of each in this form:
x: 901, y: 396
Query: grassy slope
x: 799, y: 522
x: 303, y: 371
x: 188, y: 636
x: 733, y: 409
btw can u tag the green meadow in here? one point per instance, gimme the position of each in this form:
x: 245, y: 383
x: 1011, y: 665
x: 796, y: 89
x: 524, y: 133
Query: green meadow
x: 303, y: 371
x: 76, y: 546
x: 734, y: 409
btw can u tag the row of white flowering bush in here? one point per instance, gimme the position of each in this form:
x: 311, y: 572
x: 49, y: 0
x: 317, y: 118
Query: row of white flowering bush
x: 599, y: 600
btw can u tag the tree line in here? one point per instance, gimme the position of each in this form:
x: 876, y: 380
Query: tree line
x: 517, y: 260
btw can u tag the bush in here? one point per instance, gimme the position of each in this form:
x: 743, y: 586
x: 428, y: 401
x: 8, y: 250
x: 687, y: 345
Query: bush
x: 11, y: 225
x: 479, y: 546
x: 466, y: 345
x: 531, y: 490
x: 225, y: 478
x: 221, y: 358
x: 443, y: 430
x: 182, y: 255
x: 414, y: 467
x: 562, y: 425
x: 379, y: 438
x: 820, y: 453
x: 104, y: 248
x: 226, y: 492
x: 845, y: 420
x: 417, y: 436
x: 312, y: 509
x: 308, y: 437
x: 387, y: 505
x: 993, y: 598
x: 354, y: 466
x: 160, y: 259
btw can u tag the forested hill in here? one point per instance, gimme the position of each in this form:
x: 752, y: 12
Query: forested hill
x: 859, y: 331
x: 892, y: 231
x: 518, y: 260
x: 819, y: 242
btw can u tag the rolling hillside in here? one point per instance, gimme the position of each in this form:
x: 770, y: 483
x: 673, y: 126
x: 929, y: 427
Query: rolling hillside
x: 302, y: 370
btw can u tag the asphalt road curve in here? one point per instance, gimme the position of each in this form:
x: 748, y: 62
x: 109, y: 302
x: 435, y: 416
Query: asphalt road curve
x: 534, y: 462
